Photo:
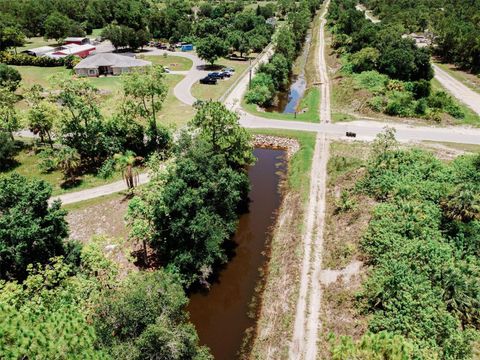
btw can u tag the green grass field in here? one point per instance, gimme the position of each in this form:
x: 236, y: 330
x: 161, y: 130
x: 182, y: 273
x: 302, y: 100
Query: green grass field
x: 174, y: 63
x: 214, y: 92
x: 310, y: 105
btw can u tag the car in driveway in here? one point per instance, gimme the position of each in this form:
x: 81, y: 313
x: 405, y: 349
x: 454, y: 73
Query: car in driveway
x: 208, y: 80
x: 217, y: 75
x: 229, y: 69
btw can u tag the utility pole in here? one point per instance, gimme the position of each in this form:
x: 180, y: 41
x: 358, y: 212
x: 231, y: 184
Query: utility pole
x: 250, y: 75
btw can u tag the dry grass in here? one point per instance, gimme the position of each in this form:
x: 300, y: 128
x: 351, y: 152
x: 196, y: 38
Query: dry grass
x: 342, y: 235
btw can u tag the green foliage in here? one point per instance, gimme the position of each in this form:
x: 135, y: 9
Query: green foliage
x: 46, y: 307
x: 373, y: 81
x: 262, y: 90
x: 48, y: 161
x: 383, y: 345
x: 31, y: 231
x: 425, y: 282
x: 211, y: 48
x: 145, y: 93
x: 189, y: 211
x: 365, y: 59
x: 144, y: 317
x: 7, y: 149
x: 219, y: 127
x: 24, y: 60
x: 9, y: 77
x: 442, y: 101
x: 58, y: 26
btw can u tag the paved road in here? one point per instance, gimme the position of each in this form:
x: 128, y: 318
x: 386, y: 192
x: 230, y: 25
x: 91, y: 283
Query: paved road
x: 457, y: 89
x: 98, y: 191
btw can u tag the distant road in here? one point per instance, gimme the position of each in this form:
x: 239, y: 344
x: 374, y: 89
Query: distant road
x: 457, y: 89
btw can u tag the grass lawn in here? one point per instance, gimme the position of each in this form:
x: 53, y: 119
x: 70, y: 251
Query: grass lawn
x: 173, y: 113
x: 174, y: 63
x: 471, y: 118
x: 214, y: 92
x: 472, y: 81
x: 82, y: 205
x: 28, y: 166
x: 310, y: 104
x: 39, y: 75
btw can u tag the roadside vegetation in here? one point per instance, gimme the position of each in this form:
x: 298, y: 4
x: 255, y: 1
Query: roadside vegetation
x: 383, y: 72
x: 417, y: 220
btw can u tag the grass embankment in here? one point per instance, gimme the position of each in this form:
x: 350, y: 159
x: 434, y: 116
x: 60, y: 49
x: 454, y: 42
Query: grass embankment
x: 277, y: 310
x: 174, y: 63
x: 214, y: 92
x: 173, y: 113
x: 472, y: 81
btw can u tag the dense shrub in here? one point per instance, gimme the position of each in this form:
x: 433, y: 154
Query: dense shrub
x: 262, y: 90
x: 7, y: 149
x: 9, y: 77
x: 24, y: 60
x: 372, y: 80
x: 424, y: 285
x: 442, y: 101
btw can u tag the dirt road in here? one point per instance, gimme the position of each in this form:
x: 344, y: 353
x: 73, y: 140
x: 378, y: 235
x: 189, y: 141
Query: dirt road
x: 457, y: 89
x: 307, y: 323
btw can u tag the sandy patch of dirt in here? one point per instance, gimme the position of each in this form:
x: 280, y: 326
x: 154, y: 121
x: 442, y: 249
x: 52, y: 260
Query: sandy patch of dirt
x: 106, y: 218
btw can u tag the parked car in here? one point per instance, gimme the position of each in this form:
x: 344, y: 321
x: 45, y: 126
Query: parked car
x: 208, y: 80
x: 167, y: 70
x: 162, y: 46
x: 217, y: 75
x: 226, y: 73
x: 229, y: 69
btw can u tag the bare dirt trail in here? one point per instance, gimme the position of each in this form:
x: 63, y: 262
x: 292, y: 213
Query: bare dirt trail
x: 307, y: 324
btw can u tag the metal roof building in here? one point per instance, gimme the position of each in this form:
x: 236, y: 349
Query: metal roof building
x: 108, y: 64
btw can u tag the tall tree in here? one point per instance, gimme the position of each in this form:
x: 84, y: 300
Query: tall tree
x: 31, y: 231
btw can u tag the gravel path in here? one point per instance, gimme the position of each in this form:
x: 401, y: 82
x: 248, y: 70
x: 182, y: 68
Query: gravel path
x: 457, y: 89
x: 307, y: 315
x: 98, y: 191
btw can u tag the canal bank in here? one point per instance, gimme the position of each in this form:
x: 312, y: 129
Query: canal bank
x: 222, y: 314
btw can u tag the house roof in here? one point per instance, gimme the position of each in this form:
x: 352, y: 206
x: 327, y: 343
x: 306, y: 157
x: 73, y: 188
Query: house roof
x: 72, y: 49
x: 109, y: 59
x: 40, y: 50
x: 75, y: 39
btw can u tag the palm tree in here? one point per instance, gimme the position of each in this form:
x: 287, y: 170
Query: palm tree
x: 125, y: 163
x: 69, y: 162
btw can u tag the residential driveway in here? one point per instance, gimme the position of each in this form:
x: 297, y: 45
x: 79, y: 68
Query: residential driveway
x: 183, y: 90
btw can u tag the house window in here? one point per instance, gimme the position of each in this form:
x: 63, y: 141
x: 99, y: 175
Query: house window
x: 91, y: 72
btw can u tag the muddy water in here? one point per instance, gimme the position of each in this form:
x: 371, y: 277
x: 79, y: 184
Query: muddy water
x: 287, y: 102
x: 220, y: 315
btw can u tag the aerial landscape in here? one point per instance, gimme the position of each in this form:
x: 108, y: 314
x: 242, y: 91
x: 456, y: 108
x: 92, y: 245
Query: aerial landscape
x: 240, y: 179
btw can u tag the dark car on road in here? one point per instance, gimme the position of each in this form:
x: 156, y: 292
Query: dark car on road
x: 208, y: 80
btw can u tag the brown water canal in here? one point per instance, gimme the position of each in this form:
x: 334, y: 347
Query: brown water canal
x: 220, y: 314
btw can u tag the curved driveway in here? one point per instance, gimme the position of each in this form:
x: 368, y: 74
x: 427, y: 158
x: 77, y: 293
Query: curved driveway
x: 183, y: 89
